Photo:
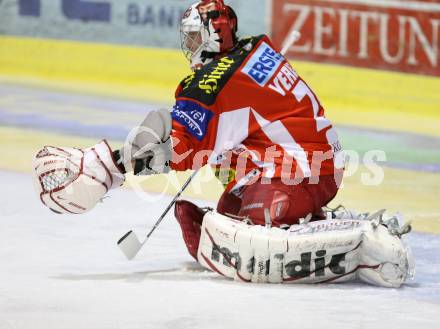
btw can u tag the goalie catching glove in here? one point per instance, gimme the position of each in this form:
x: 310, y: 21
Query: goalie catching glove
x: 72, y: 181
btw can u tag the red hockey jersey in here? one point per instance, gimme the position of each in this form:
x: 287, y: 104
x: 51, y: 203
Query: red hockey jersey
x: 250, y: 114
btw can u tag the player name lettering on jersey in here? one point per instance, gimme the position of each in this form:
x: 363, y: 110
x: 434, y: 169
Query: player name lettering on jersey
x: 263, y: 64
x: 284, y: 80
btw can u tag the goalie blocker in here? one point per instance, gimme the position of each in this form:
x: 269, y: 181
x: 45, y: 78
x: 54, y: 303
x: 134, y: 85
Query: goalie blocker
x: 334, y: 250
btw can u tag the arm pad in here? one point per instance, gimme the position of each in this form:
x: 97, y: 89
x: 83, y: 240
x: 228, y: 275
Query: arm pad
x: 149, y: 142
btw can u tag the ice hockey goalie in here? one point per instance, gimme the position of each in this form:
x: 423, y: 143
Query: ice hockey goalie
x: 246, y: 112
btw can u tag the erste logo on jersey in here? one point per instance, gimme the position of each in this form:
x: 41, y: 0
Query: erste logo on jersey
x: 263, y: 64
x: 194, y: 117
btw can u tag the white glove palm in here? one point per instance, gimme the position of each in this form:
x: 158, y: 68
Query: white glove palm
x: 73, y: 181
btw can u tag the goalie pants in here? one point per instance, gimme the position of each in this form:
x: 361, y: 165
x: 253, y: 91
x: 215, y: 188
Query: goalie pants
x: 286, y: 203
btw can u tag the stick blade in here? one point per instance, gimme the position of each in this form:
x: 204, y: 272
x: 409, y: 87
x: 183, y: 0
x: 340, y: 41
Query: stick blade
x: 129, y: 245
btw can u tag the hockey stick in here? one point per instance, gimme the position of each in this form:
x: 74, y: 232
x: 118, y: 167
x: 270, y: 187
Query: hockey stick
x: 293, y: 37
x: 130, y: 245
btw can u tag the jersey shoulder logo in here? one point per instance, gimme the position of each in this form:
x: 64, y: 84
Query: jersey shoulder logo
x: 210, y: 81
x: 263, y: 64
x: 193, y: 117
x: 205, y: 84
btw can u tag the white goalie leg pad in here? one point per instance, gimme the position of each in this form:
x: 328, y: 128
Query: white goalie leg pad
x: 260, y: 246
x: 244, y: 269
x: 219, y: 248
x: 317, y: 252
x: 278, y: 247
x: 323, y: 251
x: 336, y: 250
x: 386, y: 260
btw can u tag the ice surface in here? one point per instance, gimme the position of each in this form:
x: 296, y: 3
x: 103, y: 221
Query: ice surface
x: 67, y: 272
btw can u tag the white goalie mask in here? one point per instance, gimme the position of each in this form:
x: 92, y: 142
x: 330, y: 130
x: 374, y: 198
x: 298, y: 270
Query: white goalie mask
x: 208, y: 29
x: 191, y: 37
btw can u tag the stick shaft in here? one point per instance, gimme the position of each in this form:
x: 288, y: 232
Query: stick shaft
x: 290, y: 40
x: 183, y: 188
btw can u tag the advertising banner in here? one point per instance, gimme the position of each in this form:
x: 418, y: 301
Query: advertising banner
x: 134, y: 22
x: 392, y: 35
